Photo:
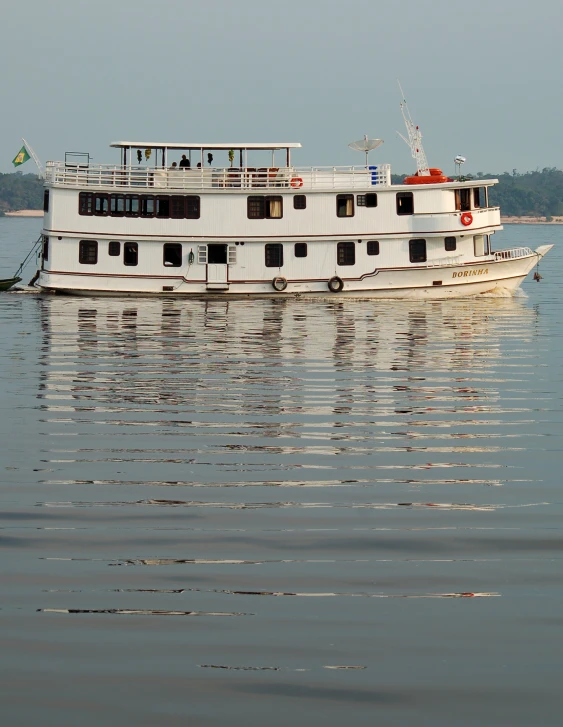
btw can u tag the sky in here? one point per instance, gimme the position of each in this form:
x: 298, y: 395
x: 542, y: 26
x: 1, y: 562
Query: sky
x: 482, y: 78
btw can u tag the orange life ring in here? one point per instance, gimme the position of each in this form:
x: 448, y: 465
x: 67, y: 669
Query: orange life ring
x: 296, y: 182
x: 466, y: 219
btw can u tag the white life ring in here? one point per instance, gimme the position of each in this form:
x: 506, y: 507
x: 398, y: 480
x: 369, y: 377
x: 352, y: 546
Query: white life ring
x: 296, y: 182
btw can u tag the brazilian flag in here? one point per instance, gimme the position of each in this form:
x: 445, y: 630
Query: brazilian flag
x: 21, y: 157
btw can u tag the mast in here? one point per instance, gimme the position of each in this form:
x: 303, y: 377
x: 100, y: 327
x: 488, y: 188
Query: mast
x: 414, y: 140
x: 35, y: 158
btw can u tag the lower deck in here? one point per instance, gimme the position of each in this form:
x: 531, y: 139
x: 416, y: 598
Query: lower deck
x: 435, y: 267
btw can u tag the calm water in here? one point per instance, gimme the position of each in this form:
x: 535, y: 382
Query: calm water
x: 281, y: 511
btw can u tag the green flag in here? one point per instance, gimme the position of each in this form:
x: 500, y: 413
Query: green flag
x: 21, y: 157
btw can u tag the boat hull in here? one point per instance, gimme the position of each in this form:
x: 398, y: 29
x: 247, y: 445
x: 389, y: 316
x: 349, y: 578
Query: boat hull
x: 490, y: 276
x: 8, y: 283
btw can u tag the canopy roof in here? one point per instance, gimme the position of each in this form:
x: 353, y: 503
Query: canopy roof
x: 193, y: 145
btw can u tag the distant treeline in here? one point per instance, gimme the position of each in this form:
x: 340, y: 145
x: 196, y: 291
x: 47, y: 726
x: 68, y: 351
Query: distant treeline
x: 537, y: 194
x: 20, y: 192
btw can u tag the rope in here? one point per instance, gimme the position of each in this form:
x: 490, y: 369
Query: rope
x: 29, y: 255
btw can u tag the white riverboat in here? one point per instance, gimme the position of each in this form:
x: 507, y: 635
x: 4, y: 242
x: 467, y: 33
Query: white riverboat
x: 142, y: 228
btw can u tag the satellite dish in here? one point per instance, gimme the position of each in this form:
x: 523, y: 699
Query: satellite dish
x: 366, y: 145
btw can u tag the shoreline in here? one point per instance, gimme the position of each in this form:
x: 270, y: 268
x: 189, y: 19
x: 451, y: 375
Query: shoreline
x: 527, y: 220
x: 24, y: 213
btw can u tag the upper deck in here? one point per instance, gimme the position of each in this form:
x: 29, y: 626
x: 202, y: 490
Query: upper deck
x: 61, y: 174
x: 145, y: 166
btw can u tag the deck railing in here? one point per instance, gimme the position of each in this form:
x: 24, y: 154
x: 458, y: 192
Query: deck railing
x: 513, y: 253
x: 294, y: 178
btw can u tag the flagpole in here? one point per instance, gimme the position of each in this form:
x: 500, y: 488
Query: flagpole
x: 34, y: 157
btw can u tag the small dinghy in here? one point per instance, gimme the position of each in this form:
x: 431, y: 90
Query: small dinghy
x: 7, y: 283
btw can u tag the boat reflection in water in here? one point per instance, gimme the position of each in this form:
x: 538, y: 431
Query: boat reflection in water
x: 257, y: 391
x: 163, y: 349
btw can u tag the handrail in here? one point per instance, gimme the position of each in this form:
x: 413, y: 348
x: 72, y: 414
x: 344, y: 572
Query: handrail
x: 512, y: 253
x: 295, y: 178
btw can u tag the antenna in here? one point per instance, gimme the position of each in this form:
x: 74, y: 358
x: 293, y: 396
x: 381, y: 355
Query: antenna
x: 414, y: 140
x: 365, y: 145
x: 35, y: 158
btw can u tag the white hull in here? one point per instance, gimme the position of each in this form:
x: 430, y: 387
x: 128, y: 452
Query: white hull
x: 488, y: 276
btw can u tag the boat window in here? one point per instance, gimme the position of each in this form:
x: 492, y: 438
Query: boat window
x: 255, y: 208
x: 299, y: 202
x: 131, y: 206
x: 450, y: 244
x: 101, y: 205
x: 274, y: 208
x: 88, y: 252
x: 85, y: 203
x: 259, y: 208
x: 417, y: 251
x: 405, y: 203
x: 45, y: 248
x: 192, y: 207
x: 114, y: 248
x: 117, y: 205
x: 367, y: 200
x: 479, y: 247
x: 147, y: 206
x: 172, y: 254
x: 344, y: 205
x: 479, y: 198
x: 130, y: 253
x: 46, y: 200
x: 300, y: 249
x: 274, y: 255
x: 177, y: 206
x: 163, y: 207
x: 373, y: 247
x: 463, y: 200
x: 346, y: 253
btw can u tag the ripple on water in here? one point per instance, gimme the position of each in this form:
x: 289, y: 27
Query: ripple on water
x: 362, y: 491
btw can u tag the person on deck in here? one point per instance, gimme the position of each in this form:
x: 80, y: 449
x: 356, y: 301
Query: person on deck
x: 185, y: 162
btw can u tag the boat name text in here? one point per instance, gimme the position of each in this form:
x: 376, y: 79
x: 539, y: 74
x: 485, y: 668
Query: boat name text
x: 466, y: 273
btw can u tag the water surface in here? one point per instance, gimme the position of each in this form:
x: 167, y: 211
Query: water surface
x: 278, y: 511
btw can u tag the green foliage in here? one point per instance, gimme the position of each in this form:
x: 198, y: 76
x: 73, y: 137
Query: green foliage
x: 20, y: 192
x: 539, y: 194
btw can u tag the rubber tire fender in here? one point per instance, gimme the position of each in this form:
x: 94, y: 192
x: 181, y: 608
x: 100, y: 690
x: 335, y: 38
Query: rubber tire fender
x: 335, y: 284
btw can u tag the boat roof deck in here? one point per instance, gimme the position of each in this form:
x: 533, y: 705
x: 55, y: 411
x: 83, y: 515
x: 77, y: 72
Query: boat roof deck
x: 193, y: 145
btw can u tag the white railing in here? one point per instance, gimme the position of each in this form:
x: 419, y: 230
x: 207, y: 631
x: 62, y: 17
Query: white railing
x: 513, y: 253
x: 295, y: 178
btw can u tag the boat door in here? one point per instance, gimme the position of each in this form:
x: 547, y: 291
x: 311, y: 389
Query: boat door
x: 217, y: 266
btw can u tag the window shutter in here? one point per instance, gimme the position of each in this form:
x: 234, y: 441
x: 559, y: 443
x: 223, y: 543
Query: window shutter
x: 202, y: 254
